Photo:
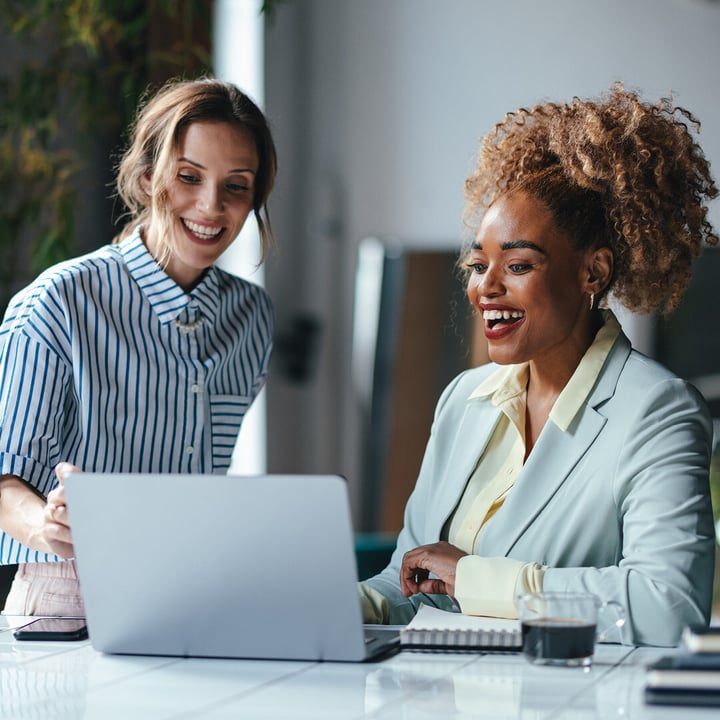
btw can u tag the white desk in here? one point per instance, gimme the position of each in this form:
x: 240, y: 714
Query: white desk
x: 70, y: 680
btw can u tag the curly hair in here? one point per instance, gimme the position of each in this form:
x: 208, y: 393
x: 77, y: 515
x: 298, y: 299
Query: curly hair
x: 614, y: 172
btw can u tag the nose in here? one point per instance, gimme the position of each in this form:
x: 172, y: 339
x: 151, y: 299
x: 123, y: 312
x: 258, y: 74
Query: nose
x: 487, y: 284
x: 210, y: 199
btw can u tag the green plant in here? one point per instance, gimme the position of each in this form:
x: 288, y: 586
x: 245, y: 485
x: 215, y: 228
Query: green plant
x: 79, y: 70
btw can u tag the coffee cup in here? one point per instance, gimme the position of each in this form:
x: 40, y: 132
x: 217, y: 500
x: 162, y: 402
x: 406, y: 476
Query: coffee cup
x: 561, y: 628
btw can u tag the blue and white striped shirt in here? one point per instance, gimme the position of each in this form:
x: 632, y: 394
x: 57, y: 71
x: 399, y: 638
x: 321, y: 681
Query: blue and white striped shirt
x: 105, y: 362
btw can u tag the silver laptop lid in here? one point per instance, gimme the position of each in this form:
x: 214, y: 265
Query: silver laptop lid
x: 217, y: 566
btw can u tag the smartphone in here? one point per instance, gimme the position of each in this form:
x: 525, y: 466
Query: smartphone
x: 53, y: 629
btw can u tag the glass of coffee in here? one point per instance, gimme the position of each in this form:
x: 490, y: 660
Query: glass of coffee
x: 560, y: 628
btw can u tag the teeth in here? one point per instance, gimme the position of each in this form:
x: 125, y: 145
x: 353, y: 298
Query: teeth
x: 202, y: 231
x: 502, y: 314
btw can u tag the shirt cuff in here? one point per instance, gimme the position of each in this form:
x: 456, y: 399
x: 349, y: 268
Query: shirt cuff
x: 374, y: 605
x: 488, y: 586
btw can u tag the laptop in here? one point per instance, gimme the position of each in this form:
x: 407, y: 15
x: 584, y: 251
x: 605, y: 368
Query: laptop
x: 220, y: 566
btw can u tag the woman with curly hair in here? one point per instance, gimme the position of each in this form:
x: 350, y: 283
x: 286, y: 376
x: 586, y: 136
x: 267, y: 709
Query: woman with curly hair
x: 571, y: 461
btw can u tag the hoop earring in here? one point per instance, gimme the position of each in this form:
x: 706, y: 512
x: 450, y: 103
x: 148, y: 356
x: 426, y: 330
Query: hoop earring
x: 592, y: 301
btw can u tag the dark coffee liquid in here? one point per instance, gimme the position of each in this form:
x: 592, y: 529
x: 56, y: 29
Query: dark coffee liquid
x: 553, y: 639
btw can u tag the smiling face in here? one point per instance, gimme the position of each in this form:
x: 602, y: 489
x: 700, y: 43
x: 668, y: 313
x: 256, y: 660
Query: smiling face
x: 209, y: 198
x: 530, y: 286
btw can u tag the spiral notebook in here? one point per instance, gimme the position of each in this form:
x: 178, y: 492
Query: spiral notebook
x: 435, y: 630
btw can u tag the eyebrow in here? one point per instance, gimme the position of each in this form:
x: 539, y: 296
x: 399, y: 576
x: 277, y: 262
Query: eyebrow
x: 202, y: 167
x: 514, y: 245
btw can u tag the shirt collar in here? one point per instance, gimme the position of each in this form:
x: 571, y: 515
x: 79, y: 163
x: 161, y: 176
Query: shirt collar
x: 578, y: 388
x: 165, y: 296
x: 506, y: 382
x: 510, y: 380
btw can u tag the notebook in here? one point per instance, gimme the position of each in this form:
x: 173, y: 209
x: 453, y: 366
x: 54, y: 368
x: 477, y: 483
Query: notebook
x: 433, y: 629
x: 220, y: 566
x: 684, y: 679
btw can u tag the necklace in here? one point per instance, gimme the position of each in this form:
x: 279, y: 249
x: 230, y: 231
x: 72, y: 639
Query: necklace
x: 188, y: 327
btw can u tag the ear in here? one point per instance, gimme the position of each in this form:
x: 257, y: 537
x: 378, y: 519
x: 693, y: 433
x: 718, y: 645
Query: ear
x: 146, y: 184
x: 599, y: 264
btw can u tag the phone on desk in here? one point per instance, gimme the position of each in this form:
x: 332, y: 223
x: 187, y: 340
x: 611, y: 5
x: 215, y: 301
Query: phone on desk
x: 53, y: 629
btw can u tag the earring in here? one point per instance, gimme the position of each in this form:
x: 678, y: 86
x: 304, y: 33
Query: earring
x: 592, y: 301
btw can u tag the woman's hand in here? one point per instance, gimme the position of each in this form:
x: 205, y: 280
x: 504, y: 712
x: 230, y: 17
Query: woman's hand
x: 54, y: 529
x: 440, y: 559
x: 56, y: 507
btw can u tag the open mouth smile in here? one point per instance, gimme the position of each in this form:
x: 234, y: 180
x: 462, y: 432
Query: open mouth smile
x: 204, y: 233
x: 500, y: 322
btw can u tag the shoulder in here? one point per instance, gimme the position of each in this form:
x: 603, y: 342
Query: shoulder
x: 61, y: 284
x: 641, y: 374
x: 644, y: 387
x: 88, y: 264
x: 630, y: 373
x: 643, y: 370
x: 237, y: 292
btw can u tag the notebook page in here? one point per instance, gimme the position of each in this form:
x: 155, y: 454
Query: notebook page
x: 432, y: 618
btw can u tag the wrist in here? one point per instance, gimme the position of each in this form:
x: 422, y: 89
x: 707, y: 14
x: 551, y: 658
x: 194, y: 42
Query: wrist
x: 22, y: 513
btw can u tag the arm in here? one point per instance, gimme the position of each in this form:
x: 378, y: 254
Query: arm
x: 422, y: 520
x: 32, y: 387
x: 390, y: 597
x: 664, y: 574
x: 38, y: 524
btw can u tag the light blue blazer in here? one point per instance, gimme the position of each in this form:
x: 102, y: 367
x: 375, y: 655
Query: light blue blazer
x: 618, y: 505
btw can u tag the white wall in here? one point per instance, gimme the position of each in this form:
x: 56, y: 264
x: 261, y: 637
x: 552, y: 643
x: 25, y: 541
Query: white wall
x: 238, y: 36
x: 378, y: 106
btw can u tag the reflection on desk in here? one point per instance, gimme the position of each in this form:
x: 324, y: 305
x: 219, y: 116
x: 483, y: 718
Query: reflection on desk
x: 46, y: 680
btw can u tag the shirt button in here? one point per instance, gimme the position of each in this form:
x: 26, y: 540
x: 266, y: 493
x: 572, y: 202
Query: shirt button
x: 189, y: 449
x: 510, y: 471
x: 194, y: 388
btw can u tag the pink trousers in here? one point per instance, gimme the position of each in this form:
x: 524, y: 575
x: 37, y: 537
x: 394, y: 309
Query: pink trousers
x: 45, y: 589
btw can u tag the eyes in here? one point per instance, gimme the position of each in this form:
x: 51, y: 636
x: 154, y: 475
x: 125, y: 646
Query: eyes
x: 479, y: 268
x: 234, y: 186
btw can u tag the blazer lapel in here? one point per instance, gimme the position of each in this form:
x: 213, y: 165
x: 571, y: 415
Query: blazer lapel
x: 469, y: 443
x: 553, y: 458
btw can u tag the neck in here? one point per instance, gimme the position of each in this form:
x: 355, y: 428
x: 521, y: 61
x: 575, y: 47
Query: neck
x: 186, y: 277
x: 550, y: 374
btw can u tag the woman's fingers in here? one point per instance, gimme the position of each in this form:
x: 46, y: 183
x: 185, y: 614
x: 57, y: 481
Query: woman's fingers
x: 56, y: 510
x: 63, y: 469
x: 438, y: 560
x: 56, y: 531
x: 58, y: 514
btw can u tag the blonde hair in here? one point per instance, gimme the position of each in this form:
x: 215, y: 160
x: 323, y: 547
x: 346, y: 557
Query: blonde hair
x: 149, y: 161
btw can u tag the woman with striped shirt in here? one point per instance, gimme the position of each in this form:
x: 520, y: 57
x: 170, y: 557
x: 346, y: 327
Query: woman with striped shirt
x: 142, y: 356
